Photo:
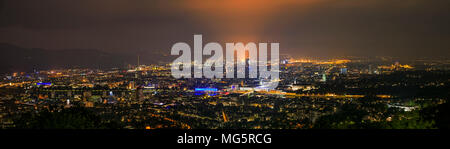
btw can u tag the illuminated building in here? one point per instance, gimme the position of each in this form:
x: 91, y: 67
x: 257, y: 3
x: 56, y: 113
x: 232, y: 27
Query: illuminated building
x: 344, y: 71
x: 324, y: 78
x: 206, y: 89
x: 139, y: 93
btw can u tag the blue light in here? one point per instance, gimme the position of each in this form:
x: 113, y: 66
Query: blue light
x: 44, y: 83
x: 206, y: 89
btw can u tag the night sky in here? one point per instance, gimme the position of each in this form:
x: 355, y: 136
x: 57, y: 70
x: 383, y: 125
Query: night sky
x: 303, y: 28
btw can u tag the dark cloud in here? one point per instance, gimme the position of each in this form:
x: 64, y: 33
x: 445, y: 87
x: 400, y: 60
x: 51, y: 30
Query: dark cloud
x: 304, y: 27
x: 400, y: 28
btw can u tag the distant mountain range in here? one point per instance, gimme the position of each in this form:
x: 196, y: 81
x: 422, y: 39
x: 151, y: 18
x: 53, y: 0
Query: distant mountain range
x: 17, y: 59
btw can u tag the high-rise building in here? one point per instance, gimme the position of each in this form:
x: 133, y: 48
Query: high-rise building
x: 344, y: 71
x: 131, y: 85
x: 140, y: 93
x: 324, y: 78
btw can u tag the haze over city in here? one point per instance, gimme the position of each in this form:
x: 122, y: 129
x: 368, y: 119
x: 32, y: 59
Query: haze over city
x: 413, y: 28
